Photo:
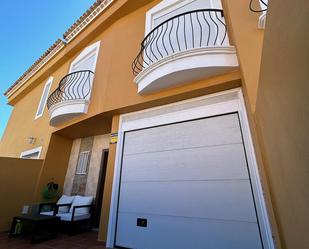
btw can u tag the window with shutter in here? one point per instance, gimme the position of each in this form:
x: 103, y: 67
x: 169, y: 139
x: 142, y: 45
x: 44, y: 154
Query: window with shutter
x: 83, y: 161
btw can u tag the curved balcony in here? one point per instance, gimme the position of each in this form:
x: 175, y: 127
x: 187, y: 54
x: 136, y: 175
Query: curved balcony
x: 71, y: 97
x: 187, y: 47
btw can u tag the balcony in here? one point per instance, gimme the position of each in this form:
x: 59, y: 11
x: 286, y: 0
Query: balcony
x: 71, y: 97
x: 190, y: 46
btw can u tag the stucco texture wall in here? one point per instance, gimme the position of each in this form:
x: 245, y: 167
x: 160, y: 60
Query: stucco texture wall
x: 282, y: 115
x: 18, y: 178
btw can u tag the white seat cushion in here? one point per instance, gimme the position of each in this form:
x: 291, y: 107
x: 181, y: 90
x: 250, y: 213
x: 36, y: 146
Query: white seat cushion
x: 77, y: 216
x: 50, y: 213
x: 65, y: 199
x: 81, y: 200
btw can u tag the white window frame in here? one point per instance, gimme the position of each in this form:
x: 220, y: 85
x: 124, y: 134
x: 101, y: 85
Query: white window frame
x: 214, y: 104
x: 166, y: 6
x: 87, y: 52
x: 32, y: 151
x: 87, y: 163
x: 43, y: 102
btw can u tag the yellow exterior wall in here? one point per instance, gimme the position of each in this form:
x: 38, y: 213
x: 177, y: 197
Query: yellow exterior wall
x: 55, y: 164
x: 248, y: 40
x: 17, y: 186
x: 113, y: 87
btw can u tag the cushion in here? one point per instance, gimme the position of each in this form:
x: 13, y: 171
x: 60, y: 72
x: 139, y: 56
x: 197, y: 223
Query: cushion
x: 68, y: 216
x: 81, y: 200
x: 49, y: 213
x: 65, y: 199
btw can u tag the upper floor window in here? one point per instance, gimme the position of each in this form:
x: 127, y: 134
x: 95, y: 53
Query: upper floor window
x: 44, y: 97
x: 169, y: 8
x: 87, y: 59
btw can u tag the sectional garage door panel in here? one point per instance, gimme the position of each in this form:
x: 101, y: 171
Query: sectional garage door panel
x: 204, y: 163
x: 205, y: 132
x: 190, y: 181
x: 222, y: 200
x: 183, y: 233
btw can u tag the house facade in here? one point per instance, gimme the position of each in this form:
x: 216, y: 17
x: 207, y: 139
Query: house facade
x: 150, y: 107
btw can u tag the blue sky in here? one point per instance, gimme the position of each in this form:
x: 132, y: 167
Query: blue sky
x: 27, y: 30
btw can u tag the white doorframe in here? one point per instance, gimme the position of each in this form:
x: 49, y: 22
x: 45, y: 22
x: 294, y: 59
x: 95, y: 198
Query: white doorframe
x: 201, y: 107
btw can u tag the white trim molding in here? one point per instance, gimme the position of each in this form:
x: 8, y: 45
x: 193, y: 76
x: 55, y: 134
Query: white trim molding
x: 214, y: 104
x: 66, y: 110
x: 44, y: 97
x: 38, y: 150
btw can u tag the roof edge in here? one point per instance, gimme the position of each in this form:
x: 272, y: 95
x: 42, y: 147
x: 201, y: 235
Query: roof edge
x: 96, y: 9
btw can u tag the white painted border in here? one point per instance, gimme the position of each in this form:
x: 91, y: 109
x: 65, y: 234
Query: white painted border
x: 89, y: 51
x: 218, y: 103
x: 28, y: 152
x: 50, y: 82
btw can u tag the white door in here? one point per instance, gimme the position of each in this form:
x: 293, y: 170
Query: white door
x: 186, y: 185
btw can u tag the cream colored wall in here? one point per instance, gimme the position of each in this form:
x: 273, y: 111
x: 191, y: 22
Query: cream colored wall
x: 100, y: 142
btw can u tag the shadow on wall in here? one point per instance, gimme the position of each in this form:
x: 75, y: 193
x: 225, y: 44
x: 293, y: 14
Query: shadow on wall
x: 18, y: 178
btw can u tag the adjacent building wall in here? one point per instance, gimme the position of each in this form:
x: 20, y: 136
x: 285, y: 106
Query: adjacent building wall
x: 18, y: 179
x: 282, y: 115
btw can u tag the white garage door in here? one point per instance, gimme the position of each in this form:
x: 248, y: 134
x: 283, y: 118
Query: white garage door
x: 186, y: 185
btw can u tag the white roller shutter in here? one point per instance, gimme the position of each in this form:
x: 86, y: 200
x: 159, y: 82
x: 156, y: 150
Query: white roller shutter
x: 189, y: 182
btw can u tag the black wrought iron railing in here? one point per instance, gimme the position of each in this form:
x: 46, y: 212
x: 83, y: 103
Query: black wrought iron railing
x: 258, y: 10
x: 73, y: 86
x: 193, y: 29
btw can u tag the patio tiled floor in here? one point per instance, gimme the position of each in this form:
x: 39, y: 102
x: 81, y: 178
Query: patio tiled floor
x: 81, y: 241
